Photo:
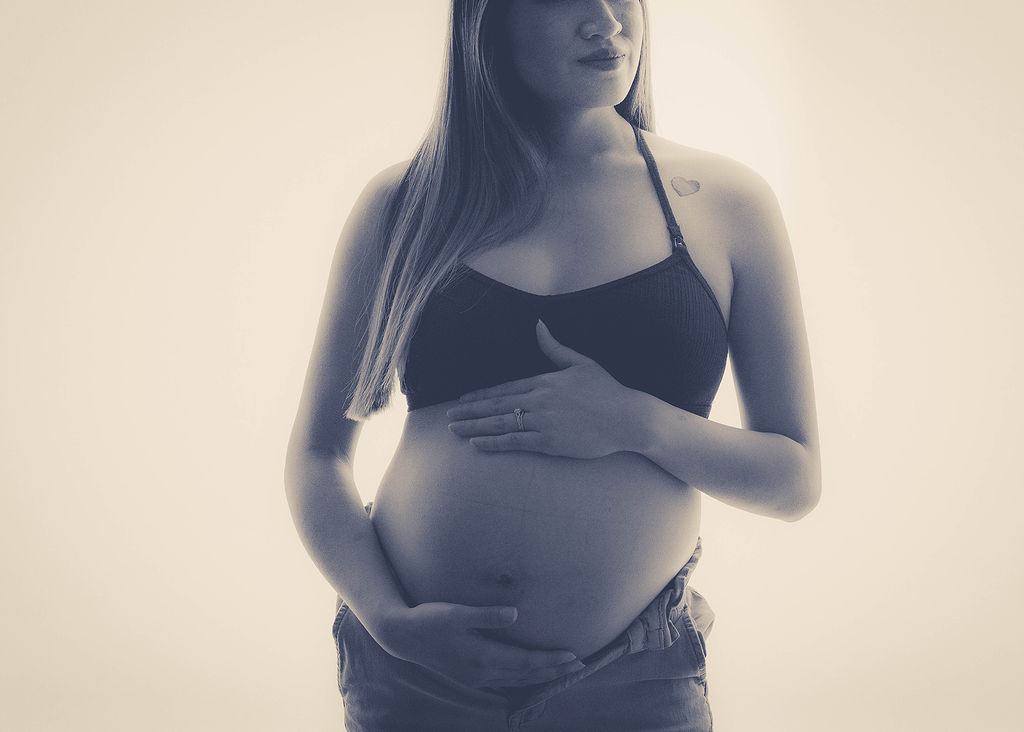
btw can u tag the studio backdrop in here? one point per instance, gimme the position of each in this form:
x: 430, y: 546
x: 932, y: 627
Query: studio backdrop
x: 173, y: 179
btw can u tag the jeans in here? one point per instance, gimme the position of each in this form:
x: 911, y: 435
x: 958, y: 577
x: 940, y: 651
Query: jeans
x: 652, y: 677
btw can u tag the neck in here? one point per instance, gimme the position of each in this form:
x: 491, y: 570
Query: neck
x: 585, y: 134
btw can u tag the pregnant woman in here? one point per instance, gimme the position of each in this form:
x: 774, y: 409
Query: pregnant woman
x: 557, y: 289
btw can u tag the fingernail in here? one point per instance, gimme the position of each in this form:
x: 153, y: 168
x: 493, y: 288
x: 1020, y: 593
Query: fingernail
x: 578, y: 666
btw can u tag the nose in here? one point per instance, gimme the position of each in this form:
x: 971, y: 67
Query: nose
x: 602, y: 22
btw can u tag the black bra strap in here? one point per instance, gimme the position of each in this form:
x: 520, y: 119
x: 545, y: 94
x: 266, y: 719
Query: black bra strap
x: 652, y: 168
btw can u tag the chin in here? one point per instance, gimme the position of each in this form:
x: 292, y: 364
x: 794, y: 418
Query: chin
x: 599, y: 101
x: 592, y: 96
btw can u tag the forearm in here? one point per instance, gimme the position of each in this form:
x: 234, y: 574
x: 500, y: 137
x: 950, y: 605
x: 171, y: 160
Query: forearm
x: 340, y: 538
x: 761, y: 472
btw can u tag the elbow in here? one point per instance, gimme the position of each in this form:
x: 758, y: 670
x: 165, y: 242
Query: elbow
x: 310, y: 465
x: 801, y: 502
x: 302, y: 465
x: 295, y: 472
x: 295, y: 466
x: 804, y: 489
x: 304, y: 448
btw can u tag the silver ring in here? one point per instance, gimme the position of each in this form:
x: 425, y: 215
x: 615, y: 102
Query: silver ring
x: 519, y: 418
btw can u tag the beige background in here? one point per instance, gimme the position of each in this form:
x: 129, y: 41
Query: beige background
x: 173, y: 176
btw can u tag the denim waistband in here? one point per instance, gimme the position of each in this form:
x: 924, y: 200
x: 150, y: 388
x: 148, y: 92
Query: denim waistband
x: 657, y: 627
x: 652, y: 630
x: 649, y: 631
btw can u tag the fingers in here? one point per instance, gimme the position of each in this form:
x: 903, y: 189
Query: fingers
x: 536, y: 677
x: 561, y: 355
x: 478, y: 660
x: 528, y: 441
x: 519, y: 386
x: 497, y: 425
x: 523, y: 660
x: 487, y: 407
x: 496, y: 616
x: 503, y: 655
x: 506, y: 665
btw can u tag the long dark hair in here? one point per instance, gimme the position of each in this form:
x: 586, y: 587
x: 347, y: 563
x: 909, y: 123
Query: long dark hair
x: 475, y: 181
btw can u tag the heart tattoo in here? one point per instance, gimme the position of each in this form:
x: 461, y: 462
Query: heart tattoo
x: 685, y: 187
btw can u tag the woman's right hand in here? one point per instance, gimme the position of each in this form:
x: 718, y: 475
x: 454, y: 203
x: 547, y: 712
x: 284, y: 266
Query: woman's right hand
x: 445, y: 638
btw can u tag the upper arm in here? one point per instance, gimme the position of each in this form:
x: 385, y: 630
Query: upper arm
x: 767, y: 334
x: 321, y: 424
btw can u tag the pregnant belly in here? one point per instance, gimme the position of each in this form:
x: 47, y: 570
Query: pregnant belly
x: 580, y: 547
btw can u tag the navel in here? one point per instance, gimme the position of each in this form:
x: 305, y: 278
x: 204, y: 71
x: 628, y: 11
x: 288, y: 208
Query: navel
x: 508, y: 585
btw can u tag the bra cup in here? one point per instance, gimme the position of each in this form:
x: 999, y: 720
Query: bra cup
x: 659, y: 333
x: 659, y: 330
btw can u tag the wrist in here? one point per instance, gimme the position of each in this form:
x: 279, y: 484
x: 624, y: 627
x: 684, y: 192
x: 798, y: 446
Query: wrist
x: 383, y: 622
x: 635, y: 421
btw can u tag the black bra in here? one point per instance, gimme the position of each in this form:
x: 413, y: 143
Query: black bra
x: 659, y: 330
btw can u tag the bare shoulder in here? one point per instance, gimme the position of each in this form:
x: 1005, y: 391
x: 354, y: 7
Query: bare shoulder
x: 356, y: 265
x: 378, y: 191
x: 742, y: 204
x: 388, y: 179
x: 721, y: 177
x: 360, y: 242
x: 341, y: 335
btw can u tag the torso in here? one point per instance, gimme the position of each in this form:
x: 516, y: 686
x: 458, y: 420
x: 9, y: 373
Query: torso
x: 580, y: 547
x: 579, y: 241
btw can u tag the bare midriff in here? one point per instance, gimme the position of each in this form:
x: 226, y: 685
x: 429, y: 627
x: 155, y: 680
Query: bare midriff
x: 580, y: 547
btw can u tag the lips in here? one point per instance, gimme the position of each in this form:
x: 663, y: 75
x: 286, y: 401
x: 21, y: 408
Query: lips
x: 603, y: 54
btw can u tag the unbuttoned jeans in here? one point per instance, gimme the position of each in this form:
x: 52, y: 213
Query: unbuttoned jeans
x: 652, y: 677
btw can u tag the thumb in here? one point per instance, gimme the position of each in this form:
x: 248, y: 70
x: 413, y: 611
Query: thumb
x: 498, y: 616
x: 562, y: 356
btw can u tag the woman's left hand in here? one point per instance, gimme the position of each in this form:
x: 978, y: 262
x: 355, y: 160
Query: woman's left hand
x: 579, y: 411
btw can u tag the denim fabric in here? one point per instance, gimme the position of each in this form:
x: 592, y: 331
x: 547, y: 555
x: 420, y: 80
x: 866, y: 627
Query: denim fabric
x: 652, y: 677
